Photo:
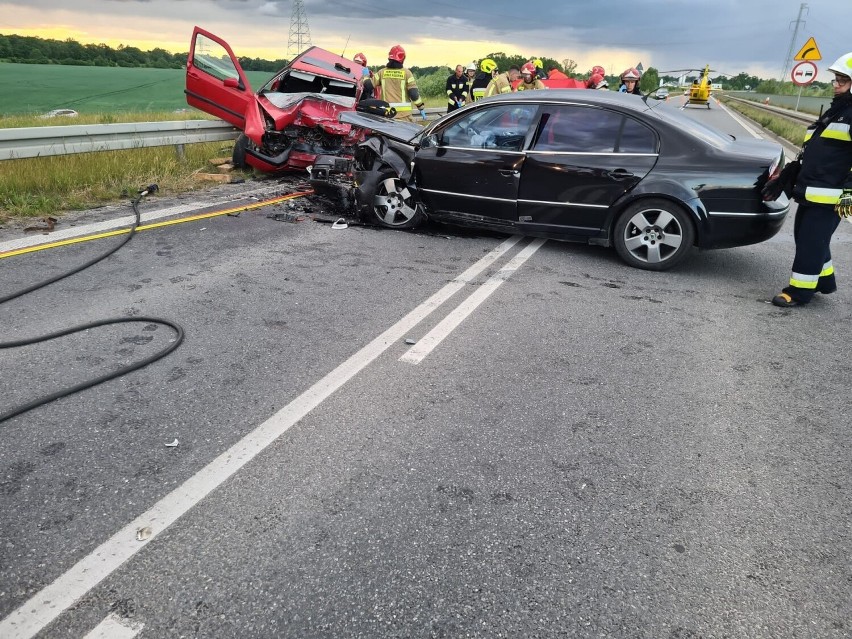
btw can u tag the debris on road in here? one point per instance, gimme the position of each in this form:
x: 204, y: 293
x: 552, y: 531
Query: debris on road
x: 143, y: 533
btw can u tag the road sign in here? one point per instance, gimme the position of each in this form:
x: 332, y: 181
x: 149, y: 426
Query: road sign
x: 809, y: 52
x: 804, y: 73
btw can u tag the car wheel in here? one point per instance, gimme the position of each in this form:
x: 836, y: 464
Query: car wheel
x: 238, y: 157
x: 654, y: 235
x: 393, y: 204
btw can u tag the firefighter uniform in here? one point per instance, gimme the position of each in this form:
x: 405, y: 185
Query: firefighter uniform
x: 456, y: 92
x: 478, y: 86
x: 535, y: 84
x: 398, y: 87
x: 824, y: 176
x: 501, y: 84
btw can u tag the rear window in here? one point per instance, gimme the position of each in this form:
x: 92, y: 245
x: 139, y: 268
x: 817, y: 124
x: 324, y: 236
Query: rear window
x: 693, y: 127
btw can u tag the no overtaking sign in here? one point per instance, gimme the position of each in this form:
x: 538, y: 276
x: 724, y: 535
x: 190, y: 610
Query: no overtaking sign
x: 804, y: 73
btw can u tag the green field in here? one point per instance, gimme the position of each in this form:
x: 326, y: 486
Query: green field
x: 31, y: 89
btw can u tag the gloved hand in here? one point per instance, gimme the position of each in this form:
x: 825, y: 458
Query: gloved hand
x: 784, y: 183
x: 459, y: 104
x: 844, y: 205
x: 423, y: 113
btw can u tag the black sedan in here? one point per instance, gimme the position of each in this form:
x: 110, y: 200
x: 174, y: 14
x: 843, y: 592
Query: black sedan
x: 591, y: 166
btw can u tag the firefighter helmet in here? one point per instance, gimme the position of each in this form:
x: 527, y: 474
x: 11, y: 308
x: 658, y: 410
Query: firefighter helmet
x: 843, y: 65
x: 361, y: 59
x: 528, y: 69
x: 598, y: 70
x: 630, y: 74
x: 396, y: 53
x: 538, y: 64
x: 471, y: 67
x: 488, y: 65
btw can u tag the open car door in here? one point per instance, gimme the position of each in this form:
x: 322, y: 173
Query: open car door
x: 217, y: 84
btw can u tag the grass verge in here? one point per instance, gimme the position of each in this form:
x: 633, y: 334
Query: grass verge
x: 793, y: 132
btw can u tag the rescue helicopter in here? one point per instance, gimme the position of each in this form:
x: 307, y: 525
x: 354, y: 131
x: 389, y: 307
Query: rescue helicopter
x: 699, y: 90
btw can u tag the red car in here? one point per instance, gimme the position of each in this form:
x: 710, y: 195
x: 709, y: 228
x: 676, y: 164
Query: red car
x: 291, y: 119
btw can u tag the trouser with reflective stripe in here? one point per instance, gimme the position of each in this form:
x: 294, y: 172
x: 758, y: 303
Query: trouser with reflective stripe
x: 812, y: 268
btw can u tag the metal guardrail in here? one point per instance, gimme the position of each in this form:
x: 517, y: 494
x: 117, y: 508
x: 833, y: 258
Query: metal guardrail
x: 804, y: 118
x: 45, y: 141
x: 32, y: 142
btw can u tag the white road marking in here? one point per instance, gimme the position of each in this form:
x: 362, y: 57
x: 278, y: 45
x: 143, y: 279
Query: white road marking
x: 50, y: 602
x: 128, y: 220
x: 427, y: 343
x: 115, y: 627
x: 754, y: 133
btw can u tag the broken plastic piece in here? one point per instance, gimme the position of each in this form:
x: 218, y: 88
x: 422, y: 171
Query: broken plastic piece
x: 408, y: 340
x: 173, y: 444
x: 340, y: 224
x: 143, y: 533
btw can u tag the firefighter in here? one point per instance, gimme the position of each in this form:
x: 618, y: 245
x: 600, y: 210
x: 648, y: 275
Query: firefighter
x: 396, y: 86
x: 820, y: 180
x: 630, y: 82
x: 456, y: 90
x: 596, y: 78
x: 470, y: 75
x: 502, y: 83
x: 487, y: 71
x: 539, y: 69
x: 529, y: 79
x: 368, y: 88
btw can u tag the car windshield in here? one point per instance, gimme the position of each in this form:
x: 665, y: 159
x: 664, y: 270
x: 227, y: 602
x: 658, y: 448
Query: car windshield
x: 712, y: 136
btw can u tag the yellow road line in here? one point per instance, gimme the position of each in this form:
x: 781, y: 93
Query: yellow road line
x: 145, y: 227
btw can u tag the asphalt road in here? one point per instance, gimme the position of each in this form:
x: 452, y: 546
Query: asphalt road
x: 591, y: 450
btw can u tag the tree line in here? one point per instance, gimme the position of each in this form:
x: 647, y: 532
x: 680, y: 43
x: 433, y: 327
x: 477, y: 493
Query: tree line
x: 34, y: 50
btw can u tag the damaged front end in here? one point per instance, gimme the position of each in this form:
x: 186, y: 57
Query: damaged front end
x: 377, y: 160
x: 304, y: 126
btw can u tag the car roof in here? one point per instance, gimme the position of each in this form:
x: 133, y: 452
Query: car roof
x: 323, y: 62
x: 588, y: 96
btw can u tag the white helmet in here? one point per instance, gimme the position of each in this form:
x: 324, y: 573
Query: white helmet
x: 471, y: 67
x: 843, y: 65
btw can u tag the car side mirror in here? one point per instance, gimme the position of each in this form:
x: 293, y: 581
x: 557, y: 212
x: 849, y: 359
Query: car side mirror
x: 429, y: 142
x: 233, y: 83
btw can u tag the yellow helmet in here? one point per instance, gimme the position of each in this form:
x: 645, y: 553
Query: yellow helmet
x: 538, y: 63
x: 487, y: 65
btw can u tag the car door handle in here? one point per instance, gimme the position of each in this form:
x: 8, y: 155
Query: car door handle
x: 509, y: 172
x: 621, y: 173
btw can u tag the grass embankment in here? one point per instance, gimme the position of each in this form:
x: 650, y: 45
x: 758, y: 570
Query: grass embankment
x: 35, y: 187
x: 780, y: 126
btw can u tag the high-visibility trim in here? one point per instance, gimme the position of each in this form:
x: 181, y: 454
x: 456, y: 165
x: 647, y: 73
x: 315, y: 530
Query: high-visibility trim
x: 837, y: 131
x: 800, y: 280
x: 827, y: 269
x: 819, y: 195
x: 809, y: 133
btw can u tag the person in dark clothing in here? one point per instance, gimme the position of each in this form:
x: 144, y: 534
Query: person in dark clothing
x: 820, y: 181
x: 457, y: 89
x: 487, y: 71
x: 630, y: 82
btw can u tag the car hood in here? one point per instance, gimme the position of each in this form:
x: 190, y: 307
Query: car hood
x: 399, y: 131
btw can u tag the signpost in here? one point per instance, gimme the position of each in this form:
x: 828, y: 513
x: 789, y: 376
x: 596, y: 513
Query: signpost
x: 806, y: 71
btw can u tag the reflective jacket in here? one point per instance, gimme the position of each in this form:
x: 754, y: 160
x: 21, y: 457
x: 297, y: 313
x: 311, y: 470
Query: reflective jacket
x: 535, y: 84
x: 827, y: 156
x: 456, y: 89
x: 500, y: 84
x: 397, y: 87
x: 479, y: 84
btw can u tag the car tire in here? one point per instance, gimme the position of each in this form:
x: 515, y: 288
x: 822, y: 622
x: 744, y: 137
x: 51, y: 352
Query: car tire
x: 654, y: 235
x: 238, y: 157
x: 393, y: 206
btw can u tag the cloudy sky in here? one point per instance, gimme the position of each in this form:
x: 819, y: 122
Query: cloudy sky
x: 732, y: 36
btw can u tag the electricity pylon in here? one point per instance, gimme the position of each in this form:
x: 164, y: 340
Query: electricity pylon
x: 300, y: 32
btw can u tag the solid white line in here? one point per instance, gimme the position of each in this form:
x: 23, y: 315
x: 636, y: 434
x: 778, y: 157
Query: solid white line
x: 740, y: 121
x: 426, y: 344
x: 54, y: 599
x: 115, y: 627
x: 127, y: 220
